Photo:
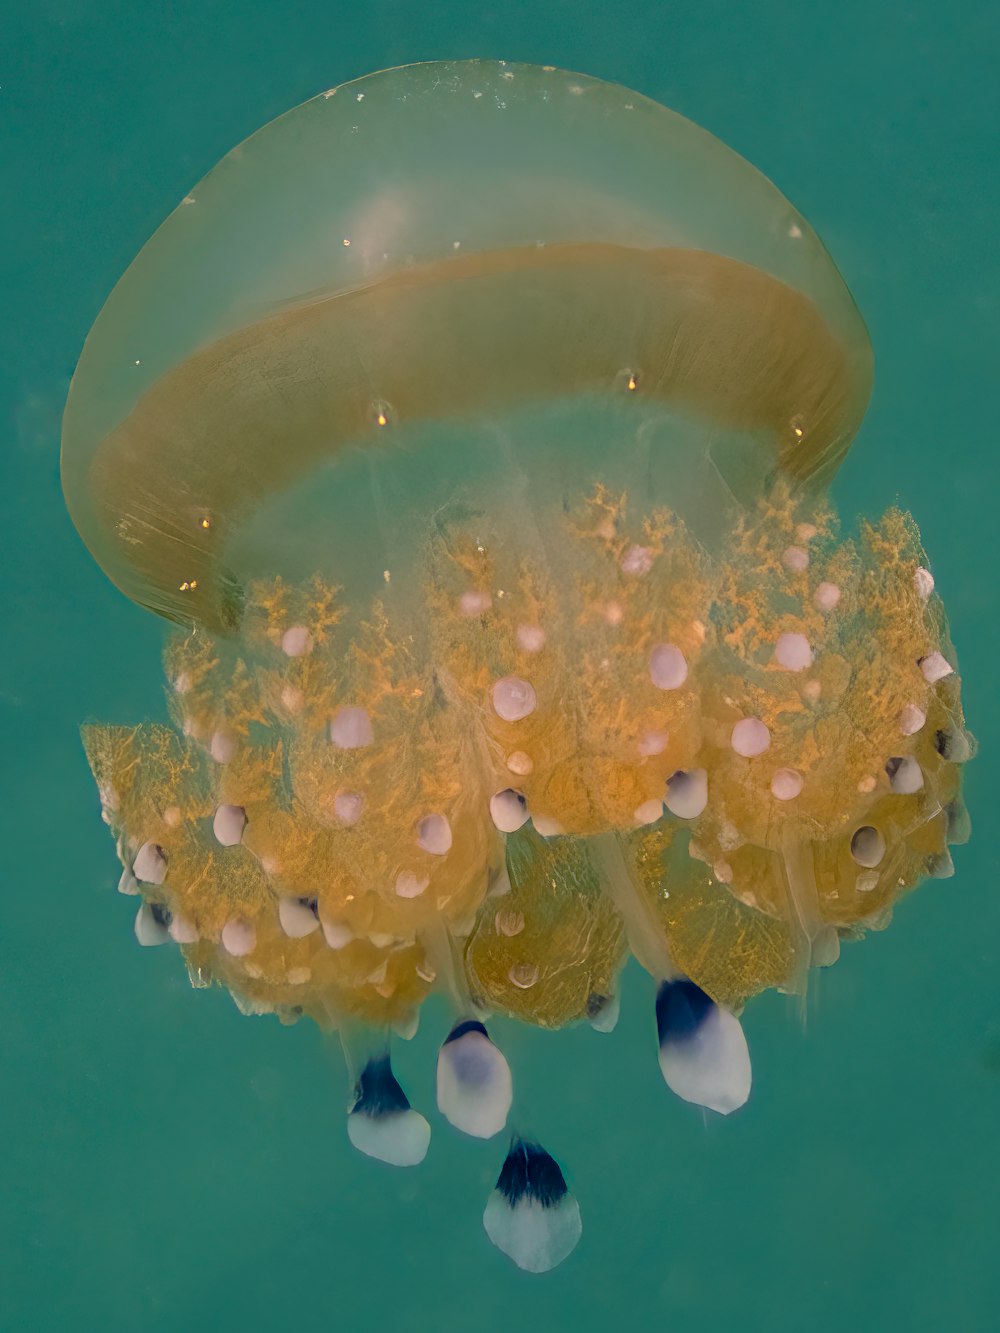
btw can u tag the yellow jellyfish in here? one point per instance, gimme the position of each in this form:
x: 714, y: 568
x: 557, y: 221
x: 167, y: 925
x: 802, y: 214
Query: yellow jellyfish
x: 472, y: 423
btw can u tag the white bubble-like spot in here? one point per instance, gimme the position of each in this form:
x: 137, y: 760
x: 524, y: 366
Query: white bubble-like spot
x: 222, y: 747
x: 513, y: 698
x: 867, y: 846
x: 935, y: 667
x: 827, y: 596
x: 509, y: 923
x: 667, y: 667
x: 653, y: 742
x: 296, y: 642
x: 347, y: 807
x: 523, y: 975
x: 649, y: 812
x: 792, y: 652
x: 637, y: 561
x: 183, y: 931
x: 336, y: 933
x: 530, y: 638
x: 750, y: 737
x: 351, y: 729
x: 911, y: 719
x: 434, y: 834
x: 923, y: 581
x: 474, y: 603
x: 409, y: 885
x: 786, y: 784
x: 238, y: 937
x: 905, y: 775
x: 292, y: 699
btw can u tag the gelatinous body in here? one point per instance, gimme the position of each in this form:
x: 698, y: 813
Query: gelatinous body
x: 473, y: 423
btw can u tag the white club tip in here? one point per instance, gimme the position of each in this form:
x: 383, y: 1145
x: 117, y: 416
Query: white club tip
x: 905, y: 775
x: 400, y: 1138
x: 382, y: 1124
x: 603, y: 1012
x: 297, y: 917
x: 228, y: 825
x: 474, y: 1085
x: 687, y: 793
x: 152, y: 925
x: 703, y: 1051
x: 128, y: 883
x: 531, y: 1216
x: 150, y: 865
x: 508, y: 810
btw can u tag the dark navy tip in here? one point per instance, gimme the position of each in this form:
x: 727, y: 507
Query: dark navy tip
x: 939, y: 865
x: 377, y: 1092
x: 681, y: 1008
x: 161, y: 915
x: 531, y: 1173
x: 953, y: 745
x: 595, y: 1003
x: 460, y: 1029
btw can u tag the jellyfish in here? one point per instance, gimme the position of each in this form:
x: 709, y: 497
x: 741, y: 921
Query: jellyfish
x: 472, y: 424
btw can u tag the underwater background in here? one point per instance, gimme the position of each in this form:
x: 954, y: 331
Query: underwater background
x: 170, y: 1164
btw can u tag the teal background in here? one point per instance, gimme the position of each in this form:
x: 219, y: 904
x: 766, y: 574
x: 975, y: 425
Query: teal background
x: 167, y: 1164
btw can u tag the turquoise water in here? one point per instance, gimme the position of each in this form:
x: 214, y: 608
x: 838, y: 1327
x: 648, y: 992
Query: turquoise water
x: 171, y: 1165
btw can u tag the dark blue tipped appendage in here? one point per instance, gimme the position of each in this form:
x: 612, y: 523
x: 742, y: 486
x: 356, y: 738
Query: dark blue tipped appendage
x: 531, y: 1173
x: 681, y: 1008
x: 378, y: 1092
x: 460, y: 1029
